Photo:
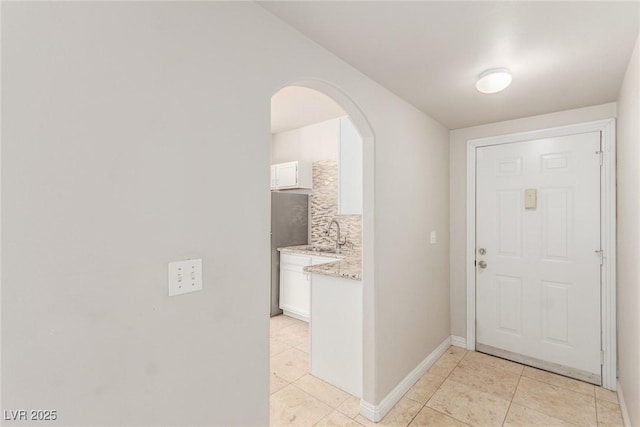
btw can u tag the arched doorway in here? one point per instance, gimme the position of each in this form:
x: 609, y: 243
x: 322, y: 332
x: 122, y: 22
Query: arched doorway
x: 364, y: 130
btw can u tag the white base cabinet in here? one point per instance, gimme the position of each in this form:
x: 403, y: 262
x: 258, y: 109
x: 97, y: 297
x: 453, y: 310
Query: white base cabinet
x: 336, y: 332
x: 295, y: 284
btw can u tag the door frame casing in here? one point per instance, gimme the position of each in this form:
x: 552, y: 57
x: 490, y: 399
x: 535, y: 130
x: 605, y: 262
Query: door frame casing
x: 607, y: 230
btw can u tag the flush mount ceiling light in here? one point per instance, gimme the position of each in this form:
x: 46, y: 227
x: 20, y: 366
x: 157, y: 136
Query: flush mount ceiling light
x: 494, y: 80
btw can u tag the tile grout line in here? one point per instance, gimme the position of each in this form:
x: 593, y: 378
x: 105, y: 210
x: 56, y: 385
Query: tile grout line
x: 511, y: 400
x: 433, y: 394
x: 443, y: 381
x: 315, y: 398
x: 447, y: 377
x: 485, y: 365
x: 595, y: 402
x: 526, y: 406
x: 547, y: 383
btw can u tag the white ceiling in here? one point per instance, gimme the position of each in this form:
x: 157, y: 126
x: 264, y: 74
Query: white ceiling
x: 294, y: 107
x: 562, y: 55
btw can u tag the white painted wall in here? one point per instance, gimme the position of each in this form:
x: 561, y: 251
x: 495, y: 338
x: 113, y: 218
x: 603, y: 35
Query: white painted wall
x: 628, y: 135
x: 311, y: 143
x: 138, y: 133
x: 458, y: 180
x: 411, y: 200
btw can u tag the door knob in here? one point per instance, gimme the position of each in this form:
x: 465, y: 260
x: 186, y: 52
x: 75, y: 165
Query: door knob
x: 482, y: 264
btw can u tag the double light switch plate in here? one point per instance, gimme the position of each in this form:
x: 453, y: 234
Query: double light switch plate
x: 185, y: 276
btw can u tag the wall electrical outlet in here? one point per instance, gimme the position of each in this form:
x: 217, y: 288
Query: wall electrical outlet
x: 433, y: 238
x: 185, y: 276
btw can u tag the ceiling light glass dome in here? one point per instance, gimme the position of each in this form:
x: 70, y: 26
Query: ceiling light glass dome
x: 494, y: 80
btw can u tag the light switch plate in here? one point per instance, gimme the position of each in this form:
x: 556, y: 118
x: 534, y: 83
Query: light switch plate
x: 530, y: 198
x: 433, y: 237
x: 185, y: 276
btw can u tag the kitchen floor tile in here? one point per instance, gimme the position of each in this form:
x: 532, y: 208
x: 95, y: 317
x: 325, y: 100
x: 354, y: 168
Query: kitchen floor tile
x: 293, y: 407
x: 281, y: 321
x: 494, y: 362
x: 304, y: 346
x: 559, y: 380
x: 609, y: 414
x: 469, y: 405
x: 276, y: 383
x: 487, y: 378
x: 431, y: 417
x: 422, y: 390
x: 322, y: 391
x: 606, y: 395
x: 276, y: 346
x: 558, y: 402
x: 337, y: 419
x: 290, y: 364
x: 447, y: 362
x: 294, y: 335
x: 351, y: 407
x: 461, y: 388
x: 520, y: 416
x: 399, y: 416
x: 459, y: 351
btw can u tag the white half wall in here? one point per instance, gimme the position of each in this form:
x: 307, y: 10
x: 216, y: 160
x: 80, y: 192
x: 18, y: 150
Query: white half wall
x: 628, y: 133
x: 458, y: 196
x: 137, y: 133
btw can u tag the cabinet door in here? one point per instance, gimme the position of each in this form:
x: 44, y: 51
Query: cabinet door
x: 295, y: 289
x: 287, y: 175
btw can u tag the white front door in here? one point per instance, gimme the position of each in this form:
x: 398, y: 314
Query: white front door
x: 537, y: 259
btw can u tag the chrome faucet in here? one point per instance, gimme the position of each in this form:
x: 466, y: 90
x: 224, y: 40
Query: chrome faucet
x: 338, y: 242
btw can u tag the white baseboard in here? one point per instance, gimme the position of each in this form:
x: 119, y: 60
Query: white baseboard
x: 459, y: 341
x: 375, y: 413
x: 295, y: 314
x: 623, y: 407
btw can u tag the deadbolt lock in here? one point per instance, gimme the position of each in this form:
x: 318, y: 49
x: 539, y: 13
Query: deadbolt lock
x: 482, y: 251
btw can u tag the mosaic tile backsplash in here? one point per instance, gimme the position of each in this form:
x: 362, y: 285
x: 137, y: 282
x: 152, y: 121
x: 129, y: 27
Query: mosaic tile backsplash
x: 324, y: 208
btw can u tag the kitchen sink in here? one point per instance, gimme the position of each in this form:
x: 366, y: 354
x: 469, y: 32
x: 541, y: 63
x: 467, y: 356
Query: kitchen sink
x: 323, y: 249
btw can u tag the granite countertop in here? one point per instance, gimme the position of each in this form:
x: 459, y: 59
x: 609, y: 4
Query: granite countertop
x: 308, y: 250
x: 346, y: 267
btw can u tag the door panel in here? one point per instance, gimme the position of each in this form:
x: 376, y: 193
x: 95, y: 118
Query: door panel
x: 509, y: 223
x: 555, y: 312
x: 538, y: 218
x: 556, y: 213
x: 509, y: 304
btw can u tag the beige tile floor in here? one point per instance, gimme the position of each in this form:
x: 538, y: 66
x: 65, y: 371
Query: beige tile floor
x: 463, y: 388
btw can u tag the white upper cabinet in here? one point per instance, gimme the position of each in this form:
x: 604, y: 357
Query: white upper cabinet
x: 291, y: 175
x: 287, y: 175
x: 350, y: 169
x: 335, y: 139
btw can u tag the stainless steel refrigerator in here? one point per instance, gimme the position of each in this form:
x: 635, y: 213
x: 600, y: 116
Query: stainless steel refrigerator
x: 289, y: 227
